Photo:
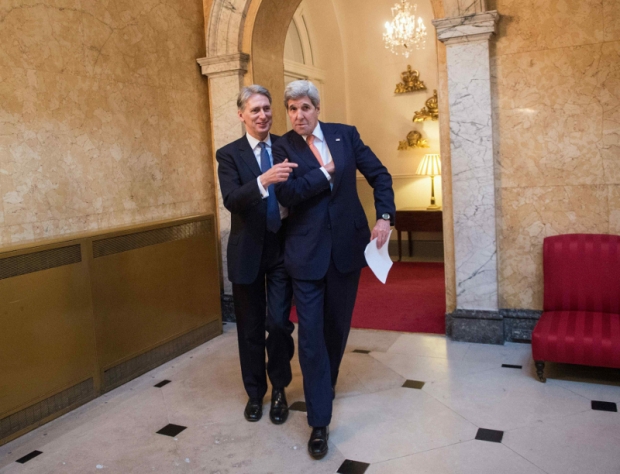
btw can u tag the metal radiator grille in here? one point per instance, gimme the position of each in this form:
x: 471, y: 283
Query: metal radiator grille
x: 37, y: 261
x: 81, y: 392
x: 130, y: 369
x: 123, y: 243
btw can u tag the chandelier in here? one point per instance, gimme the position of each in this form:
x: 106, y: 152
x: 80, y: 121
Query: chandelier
x: 404, y: 33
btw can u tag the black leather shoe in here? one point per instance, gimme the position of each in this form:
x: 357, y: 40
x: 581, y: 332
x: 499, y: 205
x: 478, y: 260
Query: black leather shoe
x: 317, y: 445
x: 253, y: 410
x: 278, y: 413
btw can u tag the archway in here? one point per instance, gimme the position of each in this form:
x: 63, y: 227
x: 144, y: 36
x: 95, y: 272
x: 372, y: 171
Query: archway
x: 245, y: 43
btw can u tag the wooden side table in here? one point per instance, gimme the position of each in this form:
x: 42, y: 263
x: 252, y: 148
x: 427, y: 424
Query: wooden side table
x: 416, y: 219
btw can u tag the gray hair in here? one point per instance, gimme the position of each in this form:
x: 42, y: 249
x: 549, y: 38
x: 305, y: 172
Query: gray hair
x: 298, y: 89
x: 248, y: 92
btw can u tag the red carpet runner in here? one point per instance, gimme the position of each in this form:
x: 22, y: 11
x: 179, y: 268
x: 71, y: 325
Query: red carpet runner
x: 412, y: 300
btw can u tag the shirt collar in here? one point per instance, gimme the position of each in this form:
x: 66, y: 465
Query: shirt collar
x: 317, y: 132
x: 254, y: 142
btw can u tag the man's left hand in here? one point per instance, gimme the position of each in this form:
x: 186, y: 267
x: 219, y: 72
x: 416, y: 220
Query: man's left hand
x: 381, y: 232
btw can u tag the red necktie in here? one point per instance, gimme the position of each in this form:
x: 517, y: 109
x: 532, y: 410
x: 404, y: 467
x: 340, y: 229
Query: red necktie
x: 315, y: 150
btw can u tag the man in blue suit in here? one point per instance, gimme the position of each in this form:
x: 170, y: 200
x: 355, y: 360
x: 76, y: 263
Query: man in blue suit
x: 325, y: 239
x: 261, y: 287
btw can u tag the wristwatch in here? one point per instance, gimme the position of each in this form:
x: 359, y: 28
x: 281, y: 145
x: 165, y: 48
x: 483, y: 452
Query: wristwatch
x: 386, y: 216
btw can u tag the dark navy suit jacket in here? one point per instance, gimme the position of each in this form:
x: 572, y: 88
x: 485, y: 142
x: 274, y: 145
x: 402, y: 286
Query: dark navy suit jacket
x: 326, y: 223
x: 237, y: 172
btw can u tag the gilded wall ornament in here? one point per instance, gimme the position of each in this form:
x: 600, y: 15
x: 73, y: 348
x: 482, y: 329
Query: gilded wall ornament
x: 411, y: 82
x: 414, y: 140
x: 430, y: 112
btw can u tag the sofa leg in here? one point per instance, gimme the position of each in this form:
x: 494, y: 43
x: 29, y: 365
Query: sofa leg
x: 540, y: 370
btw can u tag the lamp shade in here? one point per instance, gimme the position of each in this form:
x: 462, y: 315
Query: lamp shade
x: 430, y: 165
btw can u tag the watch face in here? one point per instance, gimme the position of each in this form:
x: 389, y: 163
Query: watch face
x: 386, y: 216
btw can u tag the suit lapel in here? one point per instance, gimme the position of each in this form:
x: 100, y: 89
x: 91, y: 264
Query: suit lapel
x: 302, y: 150
x: 247, y: 155
x: 334, y: 143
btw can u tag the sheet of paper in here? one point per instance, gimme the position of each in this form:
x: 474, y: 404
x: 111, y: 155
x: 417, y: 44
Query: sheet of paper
x: 379, y: 260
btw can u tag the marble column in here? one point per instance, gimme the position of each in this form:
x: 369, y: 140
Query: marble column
x: 477, y: 316
x: 225, y: 75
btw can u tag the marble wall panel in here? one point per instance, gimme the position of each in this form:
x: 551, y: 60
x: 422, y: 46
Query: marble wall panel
x: 551, y: 116
x: 532, y: 25
x: 103, y: 115
x: 609, y: 97
x: 184, y: 146
x: 614, y: 209
x: 528, y: 216
x: 43, y: 35
x: 611, y: 20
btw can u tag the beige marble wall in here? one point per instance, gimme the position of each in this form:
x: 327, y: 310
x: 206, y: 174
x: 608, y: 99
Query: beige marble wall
x: 557, y: 99
x: 103, y: 115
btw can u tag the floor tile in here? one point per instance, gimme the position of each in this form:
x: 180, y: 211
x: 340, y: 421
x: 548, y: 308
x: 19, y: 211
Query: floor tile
x: 28, y: 457
x: 394, y: 423
x: 413, y: 384
x: 604, y: 406
x: 298, y: 406
x: 171, y: 430
x: 429, y: 345
x: 429, y: 368
x: 368, y: 339
x: 510, y: 353
x: 493, y: 436
x: 593, y: 389
x: 352, y: 467
x: 582, y: 443
x: 470, y: 457
x: 122, y: 440
x: 505, y: 399
x: 255, y: 448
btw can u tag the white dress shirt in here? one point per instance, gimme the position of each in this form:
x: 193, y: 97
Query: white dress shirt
x: 254, y: 144
x: 321, y: 145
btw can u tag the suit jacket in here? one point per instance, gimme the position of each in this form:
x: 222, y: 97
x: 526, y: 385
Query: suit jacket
x: 237, y: 172
x: 326, y: 223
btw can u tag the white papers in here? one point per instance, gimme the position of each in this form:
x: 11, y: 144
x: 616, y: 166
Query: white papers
x: 379, y: 260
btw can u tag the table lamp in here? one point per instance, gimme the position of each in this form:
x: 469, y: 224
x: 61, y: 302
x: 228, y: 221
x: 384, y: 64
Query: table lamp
x: 430, y: 166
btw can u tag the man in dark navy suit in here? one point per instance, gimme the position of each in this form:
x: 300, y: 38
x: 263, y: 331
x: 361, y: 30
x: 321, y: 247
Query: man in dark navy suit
x: 326, y: 235
x: 261, y: 286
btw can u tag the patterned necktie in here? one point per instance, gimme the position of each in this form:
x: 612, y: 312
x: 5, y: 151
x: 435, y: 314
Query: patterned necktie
x: 315, y: 150
x: 273, y: 211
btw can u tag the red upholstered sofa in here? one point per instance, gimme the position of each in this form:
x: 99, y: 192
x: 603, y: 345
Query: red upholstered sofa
x: 580, y: 323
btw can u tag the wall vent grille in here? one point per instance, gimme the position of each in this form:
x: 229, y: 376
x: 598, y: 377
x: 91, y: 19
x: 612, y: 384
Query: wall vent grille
x: 132, y: 368
x: 80, y: 393
x: 37, y: 261
x: 123, y: 243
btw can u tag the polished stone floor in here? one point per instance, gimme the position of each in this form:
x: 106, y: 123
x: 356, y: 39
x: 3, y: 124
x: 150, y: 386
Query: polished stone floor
x: 459, y: 411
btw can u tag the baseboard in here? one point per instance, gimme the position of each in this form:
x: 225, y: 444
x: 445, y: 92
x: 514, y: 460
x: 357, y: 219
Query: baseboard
x: 492, y: 327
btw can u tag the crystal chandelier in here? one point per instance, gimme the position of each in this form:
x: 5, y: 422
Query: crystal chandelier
x: 404, y: 33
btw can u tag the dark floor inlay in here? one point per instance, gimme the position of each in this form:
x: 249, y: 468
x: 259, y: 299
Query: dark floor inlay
x: 171, y: 430
x: 604, y: 406
x: 298, y: 406
x: 162, y: 383
x: 494, y: 436
x: 413, y: 384
x: 28, y: 457
x: 510, y: 366
x: 361, y: 351
x: 352, y: 467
